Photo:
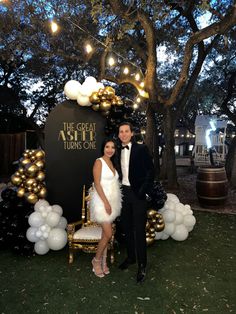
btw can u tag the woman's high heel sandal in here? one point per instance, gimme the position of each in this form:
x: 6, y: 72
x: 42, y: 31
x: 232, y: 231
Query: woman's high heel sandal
x: 97, y: 267
x: 105, y: 268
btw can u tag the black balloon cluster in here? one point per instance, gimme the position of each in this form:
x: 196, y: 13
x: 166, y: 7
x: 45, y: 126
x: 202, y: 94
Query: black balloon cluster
x: 14, y: 213
x: 157, y: 196
x: 119, y: 114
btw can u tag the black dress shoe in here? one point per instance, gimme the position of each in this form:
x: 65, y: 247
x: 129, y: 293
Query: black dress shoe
x: 127, y: 262
x: 141, y: 274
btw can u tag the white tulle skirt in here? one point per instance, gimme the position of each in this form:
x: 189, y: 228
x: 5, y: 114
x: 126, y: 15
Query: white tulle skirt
x: 114, y: 196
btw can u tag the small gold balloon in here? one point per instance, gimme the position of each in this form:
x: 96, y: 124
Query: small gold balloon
x: 20, y: 192
x: 26, y: 155
x: 30, y: 181
x: 29, y: 188
x: 94, y: 98
x: 35, y: 190
x: 31, y: 152
x: 33, y: 158
x: 39, y: 154
x: 119, y: 101
x: 31, y: 170
x: 149, y: 240
x: 42, y: 193
x: 23, y: 177
x: 159, y: 227
x: 21, y: 170
x: 95, y: 107
x: 40, y: 176
x: 147, y: 225
x: 113, y: 101
x: 40, y: 164
x: 100, y: 91
x: 32, y: 198
x: 16, y: 180
x: 25, y: 161
x: 151, y: 213
x: 105, y: 105
x: 27, y: 151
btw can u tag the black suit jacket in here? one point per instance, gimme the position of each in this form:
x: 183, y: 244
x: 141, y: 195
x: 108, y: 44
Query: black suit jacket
x: 141, y: 170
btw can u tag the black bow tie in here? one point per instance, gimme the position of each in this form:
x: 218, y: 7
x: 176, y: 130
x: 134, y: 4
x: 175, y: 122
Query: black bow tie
x: 126, y: 146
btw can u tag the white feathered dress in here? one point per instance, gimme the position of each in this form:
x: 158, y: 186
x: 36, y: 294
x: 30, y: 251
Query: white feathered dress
x: 111, y: 187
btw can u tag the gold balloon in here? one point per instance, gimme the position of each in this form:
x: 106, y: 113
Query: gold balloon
x: 94, y: 98
x: 147, y: 225
x: 149, y: 240
x: 40, y: 176
x: 33, y: 158
x: 39, y: 154
x: 16, y: 180
x: 113, y: 101
x: 32, y: 198
x: 20, y: 192
x: 152, y: 230
x: 42, y: 193
x: 35, y: 190
x: 39, y: 163
x: 21, y: 170
x: 119, y: 101
x: 25, y: 161
x: 31, y: 170
x: 26, y: 155
x: 31, y: 152
x: 100, y: 91
x: 105, y: 105
x: 159, y: 227
x: 109, y: 92
x: 95, y: 107
x: 151, y: 213
x: 29, y: 188
x: 30, y: 181
x: 23, y: 177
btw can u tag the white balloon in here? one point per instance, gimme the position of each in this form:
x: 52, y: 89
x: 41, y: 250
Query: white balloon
x: 98, y: 86
x: 40, y: 203
x: 39, y: 233
x: 180, y: 234
x: 41, y: 247
x: 57, y: 209
x: 31, y: 234
x: 57, y: 239
x: 187, y: 206
x: 164, y: 236
x: 180, y: 207
x: 169, y: 215
x: 45, y: 235
x: 72, y: 89
x: 189, y: 222
x: 169, y: 228
x: 179, y: 218
x: 90, y: 80
x: 62, y: 223
x: 83, y: 100
x: 48, y: 209
x: 158, y: 235
x: 44, y: 214
x: 172, y: 197
x: 169, y: 204
x: 35, y: 219
x: 161, y: 210
x: 86, y: 89
x: 43, y: 228
x: 53, y: 219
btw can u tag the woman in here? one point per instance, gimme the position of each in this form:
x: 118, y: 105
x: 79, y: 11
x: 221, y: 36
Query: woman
x: 105, y: 202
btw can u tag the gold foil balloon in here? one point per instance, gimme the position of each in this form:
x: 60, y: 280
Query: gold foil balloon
x: 30, y: 181
x: 119, y: 101
x: 109, y: 92
x: 150, y: 240
x: 105, y: 105
x: 21, y: 170
x: 20, y: 192
x: 25, y: 161
x: 40, y: 176
x: 39, y: 163
x: 31, y: 170
x: 39, y: 154
x: 32, y: 198
x: 96, y: 107
x: 16, y: 180
x: 94, y: 98
x: 159, y: 227
x: 100, y: 91
x: 42, y: 193
x: 151, y: 213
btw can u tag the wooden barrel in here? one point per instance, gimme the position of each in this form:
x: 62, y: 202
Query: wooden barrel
x: 212, y: 186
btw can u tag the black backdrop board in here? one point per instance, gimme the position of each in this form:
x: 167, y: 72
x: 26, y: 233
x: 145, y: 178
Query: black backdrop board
x: 73, y: 139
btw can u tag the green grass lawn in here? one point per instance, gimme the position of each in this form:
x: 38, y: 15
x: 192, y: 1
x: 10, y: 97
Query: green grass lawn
x: 197, y: 275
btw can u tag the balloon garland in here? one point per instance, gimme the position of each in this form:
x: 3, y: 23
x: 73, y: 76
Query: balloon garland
x: 29, y: 178
x: 155, y: 223
x: 93, y: 93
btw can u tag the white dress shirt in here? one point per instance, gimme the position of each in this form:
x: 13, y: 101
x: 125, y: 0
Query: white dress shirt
x: 125, y: 156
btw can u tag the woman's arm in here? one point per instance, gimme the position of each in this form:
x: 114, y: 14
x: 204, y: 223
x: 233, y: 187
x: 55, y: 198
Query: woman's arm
x: 97, y: 170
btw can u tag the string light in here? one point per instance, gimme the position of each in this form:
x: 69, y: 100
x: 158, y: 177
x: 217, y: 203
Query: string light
x: 111, y: 61
x: 135, y: 106
x: 88, y: 48
x: 138, y: 100
x: 126, y: 70
x: 137, y: 76
x: 141, y: 84
x: 54, y: 27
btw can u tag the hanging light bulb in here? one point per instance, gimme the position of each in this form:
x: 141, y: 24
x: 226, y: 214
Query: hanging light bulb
x: 137, y: 76
x: 111, y: 61
x: 88, y: 48
x: 141, y: 84
x: 126, y: 70
x: 135, y: 106
x: 54, y: 27
x: 138, y: 100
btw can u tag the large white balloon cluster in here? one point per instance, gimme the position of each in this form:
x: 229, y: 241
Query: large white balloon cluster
x: 47, y: 227
x: 81, y: 92
x: 178, y: 218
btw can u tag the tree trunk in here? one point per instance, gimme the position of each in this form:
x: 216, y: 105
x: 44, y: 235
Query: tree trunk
x: 168, y: 169
x: 230, y: 164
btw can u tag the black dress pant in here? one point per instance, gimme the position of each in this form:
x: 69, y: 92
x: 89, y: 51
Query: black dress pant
x: 133, y: 219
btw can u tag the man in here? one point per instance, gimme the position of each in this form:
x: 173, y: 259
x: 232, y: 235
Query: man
x: 137, y: 175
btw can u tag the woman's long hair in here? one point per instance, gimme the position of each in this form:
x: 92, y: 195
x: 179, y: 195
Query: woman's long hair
x: 114, y: 158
